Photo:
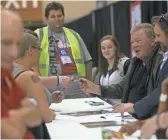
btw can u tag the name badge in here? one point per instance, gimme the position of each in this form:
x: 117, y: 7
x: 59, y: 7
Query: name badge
x: 65, y: 58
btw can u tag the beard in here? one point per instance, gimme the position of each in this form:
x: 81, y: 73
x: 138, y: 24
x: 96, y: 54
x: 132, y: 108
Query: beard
x: 164, y: 47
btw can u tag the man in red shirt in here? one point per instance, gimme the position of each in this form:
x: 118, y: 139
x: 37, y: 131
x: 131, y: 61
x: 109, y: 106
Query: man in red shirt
x: 17, y: 113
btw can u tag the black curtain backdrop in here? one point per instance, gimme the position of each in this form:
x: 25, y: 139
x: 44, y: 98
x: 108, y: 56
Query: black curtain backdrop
x: 152, y: 8
x: 102, y: 28
x: 122, y: 25
x: 84, y: 27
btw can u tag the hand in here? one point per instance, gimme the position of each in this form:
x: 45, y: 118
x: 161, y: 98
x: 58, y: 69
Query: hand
x: 53, y: 113
x: 149, y: 128
x: 167, y: 133
x: 31, y: 115
x: 130, y: 128
x: 88, y: 87
x: 57, y: 96
x: 127, y: 107
x: 66, y: 81
x: 13, y: 127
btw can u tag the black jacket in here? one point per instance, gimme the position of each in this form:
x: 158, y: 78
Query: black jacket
x: 135, y: 86
x: 143, y: 76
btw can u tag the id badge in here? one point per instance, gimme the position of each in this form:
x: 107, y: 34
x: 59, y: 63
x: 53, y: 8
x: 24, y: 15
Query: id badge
x: 65, y: 58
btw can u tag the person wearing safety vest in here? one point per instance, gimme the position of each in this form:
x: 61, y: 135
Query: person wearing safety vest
x: 64, y: 51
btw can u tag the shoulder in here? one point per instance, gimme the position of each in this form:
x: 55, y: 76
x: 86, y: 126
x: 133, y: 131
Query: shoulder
x: 72, y: 31
x: 37, y: 30
x: 135, y: 61
x: 132, y: 63
x: 122, y: 60
x: 158, y: 57
x: 29, y: 76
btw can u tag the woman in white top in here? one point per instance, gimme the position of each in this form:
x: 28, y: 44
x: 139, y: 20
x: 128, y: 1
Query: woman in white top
x: 111, y: 61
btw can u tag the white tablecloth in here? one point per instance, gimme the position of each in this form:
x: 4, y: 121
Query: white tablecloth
x: 69, y: 127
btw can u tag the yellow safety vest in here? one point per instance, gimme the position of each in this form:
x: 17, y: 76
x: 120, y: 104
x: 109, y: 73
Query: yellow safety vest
x: 75, y: 48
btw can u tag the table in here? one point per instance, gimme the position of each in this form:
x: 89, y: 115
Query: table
x: 69, y: 127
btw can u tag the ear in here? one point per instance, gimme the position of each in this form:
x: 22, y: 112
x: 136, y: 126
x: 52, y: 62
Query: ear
x: 30, y: 50
x: 46, y: 20
x: 153, y: 43
x: 167, y: 35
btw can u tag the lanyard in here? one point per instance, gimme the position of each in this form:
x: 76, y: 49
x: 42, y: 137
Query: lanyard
x: 57, y: 40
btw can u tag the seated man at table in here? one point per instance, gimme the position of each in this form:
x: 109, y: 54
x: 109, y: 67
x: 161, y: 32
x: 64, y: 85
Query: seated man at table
x: 142, y: 72
x: 161, y: 31
x: 149, y: 104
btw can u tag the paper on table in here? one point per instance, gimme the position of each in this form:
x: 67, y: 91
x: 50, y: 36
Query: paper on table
x: 117, y: 117
x: 93, y: 118
x: 71, y: 105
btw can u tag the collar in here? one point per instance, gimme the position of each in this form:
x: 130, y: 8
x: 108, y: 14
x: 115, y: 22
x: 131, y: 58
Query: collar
x: 165, y: 56
x: 149, y: 58
x: 55, y: 30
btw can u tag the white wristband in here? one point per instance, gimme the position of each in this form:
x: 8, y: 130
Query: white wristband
x: 60, y: 80
x: 163, y: 97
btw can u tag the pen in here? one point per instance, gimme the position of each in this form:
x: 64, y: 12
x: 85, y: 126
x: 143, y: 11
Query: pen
x: 122, y: 112
x: 122, y: 116
x: 103, y: 117
x: 73, y: 80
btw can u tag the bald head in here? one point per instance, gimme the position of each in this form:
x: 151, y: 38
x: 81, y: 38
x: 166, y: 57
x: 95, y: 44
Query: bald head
x: 9, y: 19
x: 11, y: 32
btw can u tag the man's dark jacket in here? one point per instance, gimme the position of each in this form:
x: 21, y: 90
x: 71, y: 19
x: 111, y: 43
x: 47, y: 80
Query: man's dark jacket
x: 143, y: 80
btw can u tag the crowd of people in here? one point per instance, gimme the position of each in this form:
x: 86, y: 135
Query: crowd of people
x: 52, y: 63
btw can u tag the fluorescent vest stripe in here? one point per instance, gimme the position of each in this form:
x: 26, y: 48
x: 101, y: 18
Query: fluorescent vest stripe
x: 75, y: 48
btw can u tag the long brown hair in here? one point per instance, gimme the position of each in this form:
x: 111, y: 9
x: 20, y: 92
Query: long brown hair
x: 103, y: 64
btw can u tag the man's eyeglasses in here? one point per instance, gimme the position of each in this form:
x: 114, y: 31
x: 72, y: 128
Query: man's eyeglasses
x: 40, y: 49
x: 162, y: 19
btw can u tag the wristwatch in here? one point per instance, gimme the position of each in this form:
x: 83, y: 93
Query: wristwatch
x: 163, y: 97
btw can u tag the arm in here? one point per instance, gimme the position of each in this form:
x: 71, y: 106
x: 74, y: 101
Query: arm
x: 159, y: 121
x: 35, y: 89
x: 163, y: 120
x: 15, y: 125
x: 12, y: 128
x: 53, y: 81
x: 151, y: 125
x: 31, y: 116
x: 149, y: 103
x: 89, y: 70
x: 130, y: 128
x: 48, y: 82
x: 113, y: 91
